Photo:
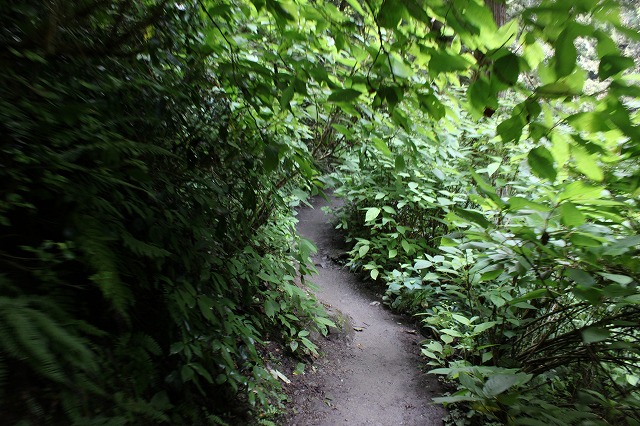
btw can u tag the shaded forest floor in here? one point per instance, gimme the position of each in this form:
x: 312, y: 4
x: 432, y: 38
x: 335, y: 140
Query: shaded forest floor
x: 369, y: 372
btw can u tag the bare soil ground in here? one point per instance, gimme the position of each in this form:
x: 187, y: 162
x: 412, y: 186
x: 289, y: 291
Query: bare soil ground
x: 370, y: 372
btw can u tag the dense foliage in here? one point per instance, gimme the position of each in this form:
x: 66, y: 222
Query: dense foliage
x: 514, y: 237
x: 148, y: 244
x: 153, y: 152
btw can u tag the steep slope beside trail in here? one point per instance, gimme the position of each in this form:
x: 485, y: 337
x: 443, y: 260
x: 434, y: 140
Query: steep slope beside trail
x: 370, y: 377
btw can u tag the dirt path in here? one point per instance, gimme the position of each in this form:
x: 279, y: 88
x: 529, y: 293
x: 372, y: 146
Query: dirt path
x: 370, y: 376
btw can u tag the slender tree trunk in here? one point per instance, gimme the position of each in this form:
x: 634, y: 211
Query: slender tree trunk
x: 499, y: 10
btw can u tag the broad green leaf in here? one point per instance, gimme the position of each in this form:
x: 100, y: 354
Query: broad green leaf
x: 451, y: 332
x: 579, y: 191
x: 618, y: 278
x: 556, y: 90
x: 497, y: 300
x: 374, y: 274
x: 363, y: 250
x: 415, y: 9
x: 541, y: 162
x: 443, y: 62
x: 271, y: 157
x: 324, y: 321
x: 186, y: 373
x: 372, y: 214
x: 479, y: 328
x: 613, y: 64
x: 400, y: 69
x: 584, y: 240
x: 566, y: 54
x: 432, y: 106
x: 587, y: 164
x: 422, y: 264
x: 580, y: 277
x: 389, y: 209
x: 507, y: 69
x: 570, y: 215
x: 491, y: 275
x: 473, y: 216
x: 535, y: 294
x: 519, y: 203
x: 382, y: 146
x: 344, y: 95
x: 499, y: 383
x: 393, y: 253
x: 510, y: 130
x: 271, y: 307
x: 595, y: 334
x: 390, y: 13
x: 461, y: 319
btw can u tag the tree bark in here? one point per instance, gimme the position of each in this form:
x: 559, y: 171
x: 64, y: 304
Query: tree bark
x: 499, y: 10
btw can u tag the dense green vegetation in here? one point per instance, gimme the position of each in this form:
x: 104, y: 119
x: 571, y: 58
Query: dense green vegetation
x: 153, y: 153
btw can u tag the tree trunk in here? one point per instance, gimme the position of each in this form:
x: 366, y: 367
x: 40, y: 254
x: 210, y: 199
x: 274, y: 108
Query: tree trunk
x: 499, y: 10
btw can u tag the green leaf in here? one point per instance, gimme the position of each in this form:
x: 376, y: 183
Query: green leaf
x: 587, y: 164
x: 479, y: 328
x: 400, y: 69
x: 202, y: 371
x: 432, y: 106
x: 363, y: 250
x: 507, y: 69
x: 415, y: 9
x: 473, y: 216
x: 443, y: 62
x: 422, y: 264
x: 570, y: 215
x: 580, y: 277
x: 400, y: 164
x: 566, y: 53
x: 556, y: 90
x: 511, y: 129
x: 372, y: 214
x: 578, y: 191
x: 613, y: 64
x: 461, y: 319
x: 344, y: 95
x: 617, y: 278
x: 499, y: 383
x: 271, y: 307
x: 541, y: 162
x: 390, y: 14
x: 186, y: 373
x: 287, y: 95
x: 325, y: 321
x: 382, y: 146
x: 491, y: 275
x: 595, y: 334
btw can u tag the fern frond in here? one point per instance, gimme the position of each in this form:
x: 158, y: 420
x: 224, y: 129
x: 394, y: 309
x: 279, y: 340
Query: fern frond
x: 215, y: 420
x: 141, y: 248
x: 93, y: 243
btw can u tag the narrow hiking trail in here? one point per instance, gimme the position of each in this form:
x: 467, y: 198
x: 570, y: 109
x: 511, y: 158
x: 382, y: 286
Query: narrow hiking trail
x: 369, y: 373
